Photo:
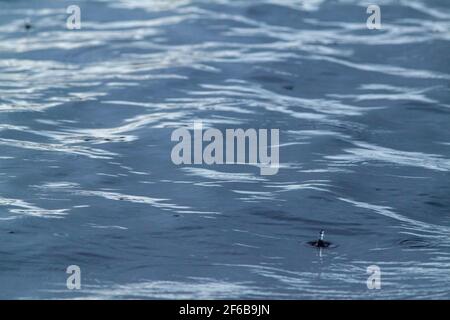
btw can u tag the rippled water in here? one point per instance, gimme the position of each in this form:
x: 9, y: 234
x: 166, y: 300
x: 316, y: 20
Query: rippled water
x: 86, y: 177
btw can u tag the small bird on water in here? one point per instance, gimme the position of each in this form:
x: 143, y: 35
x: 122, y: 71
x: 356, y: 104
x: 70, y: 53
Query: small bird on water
x: 320, y: 243
x: 27, y: 25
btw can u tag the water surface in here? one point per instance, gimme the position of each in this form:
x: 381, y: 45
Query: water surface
x: 86, y: 177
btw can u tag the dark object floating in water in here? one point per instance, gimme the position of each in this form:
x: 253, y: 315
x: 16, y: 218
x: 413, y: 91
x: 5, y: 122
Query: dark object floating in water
x: 27, y: 26
x: 320, y: 243
x: 288, y: 87
x: 11, y: 232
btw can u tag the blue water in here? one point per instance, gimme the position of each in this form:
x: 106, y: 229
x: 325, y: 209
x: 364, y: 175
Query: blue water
x: 85, y: 171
